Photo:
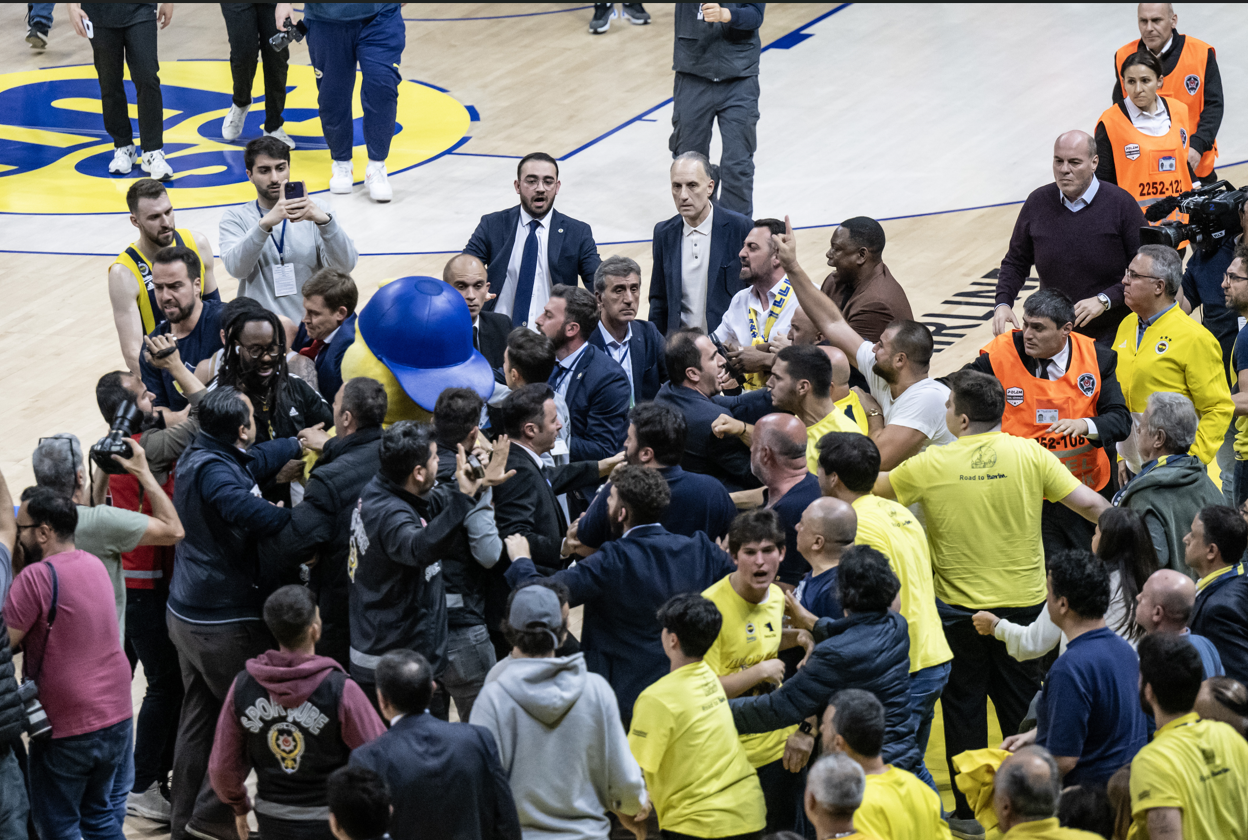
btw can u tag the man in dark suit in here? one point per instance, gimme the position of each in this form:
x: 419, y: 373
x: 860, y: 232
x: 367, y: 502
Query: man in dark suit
x: 445, y: 779
x: 697, y: 267
x: 1214, y: 550
x: 621, y: 634
x: 636, y: 346
x: 591, y: 383
x: 328, y: 327
x: 466, y: 274
x: 532, y: 248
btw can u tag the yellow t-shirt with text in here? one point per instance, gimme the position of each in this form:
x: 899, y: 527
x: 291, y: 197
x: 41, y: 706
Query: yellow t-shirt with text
x: 897, y: 806
x: 836, y: 421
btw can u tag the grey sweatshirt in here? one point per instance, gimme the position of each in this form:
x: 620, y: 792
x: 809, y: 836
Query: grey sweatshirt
x: 562, y: 746
x: 249, y: 254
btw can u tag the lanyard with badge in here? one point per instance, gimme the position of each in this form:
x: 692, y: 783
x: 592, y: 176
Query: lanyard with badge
x: 283, y: 275
x: 773, y: 314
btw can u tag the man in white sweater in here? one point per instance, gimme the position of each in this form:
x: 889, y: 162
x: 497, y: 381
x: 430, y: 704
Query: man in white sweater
x: 558, y: 730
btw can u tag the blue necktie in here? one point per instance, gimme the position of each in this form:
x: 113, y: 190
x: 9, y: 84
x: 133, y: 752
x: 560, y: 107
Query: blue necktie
x: 524, y: 281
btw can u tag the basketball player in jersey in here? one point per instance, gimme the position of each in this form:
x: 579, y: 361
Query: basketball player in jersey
x: 130, y: 288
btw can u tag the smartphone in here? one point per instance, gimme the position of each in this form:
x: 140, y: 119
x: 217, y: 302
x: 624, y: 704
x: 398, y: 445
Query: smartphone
x: 90, y: 30
x: 295, y: 189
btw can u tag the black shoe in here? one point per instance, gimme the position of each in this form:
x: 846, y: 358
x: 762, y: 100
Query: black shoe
x: 635, y: 13
x: 37, y: 37
x: 715, y: 178
x: 603, y: 14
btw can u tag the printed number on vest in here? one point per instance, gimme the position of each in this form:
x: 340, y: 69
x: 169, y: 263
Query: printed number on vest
x: 1151, y: 188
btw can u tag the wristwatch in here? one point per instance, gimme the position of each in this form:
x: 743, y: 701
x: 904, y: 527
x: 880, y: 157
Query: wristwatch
x: 805, y: 728
x: 330, y: 217
x: 1104, y: 299
x: 874, y: 412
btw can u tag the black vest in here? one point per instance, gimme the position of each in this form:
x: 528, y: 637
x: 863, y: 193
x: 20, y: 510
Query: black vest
x: 292, y: 750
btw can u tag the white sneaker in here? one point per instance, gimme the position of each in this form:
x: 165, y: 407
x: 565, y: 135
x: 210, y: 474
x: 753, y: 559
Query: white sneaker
x: 378, y: 184
x: 150, y: 805
x: 280, y: 134
x: 154, y: 164
x: 124, y: 158
x: 342, y: 178
x: 232, y: 126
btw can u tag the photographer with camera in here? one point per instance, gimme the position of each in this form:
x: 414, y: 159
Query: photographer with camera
x: 273, y: 245
x: 1202, y: 278
x: 60, y: 612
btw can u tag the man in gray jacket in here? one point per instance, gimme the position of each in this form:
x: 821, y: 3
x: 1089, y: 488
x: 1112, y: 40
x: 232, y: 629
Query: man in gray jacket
x: 274, y: 244
x: 558, y: 729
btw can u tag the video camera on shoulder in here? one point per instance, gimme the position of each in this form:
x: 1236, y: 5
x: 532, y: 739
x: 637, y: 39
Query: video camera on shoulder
x: 126, y: 421
x: 289, y: 33
x: 1213, y: 215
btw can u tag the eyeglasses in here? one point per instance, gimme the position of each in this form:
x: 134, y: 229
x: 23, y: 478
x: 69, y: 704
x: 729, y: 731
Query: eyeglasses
x: 1228, y: 277
x: 257, y: 353
x: 1132, y: 276
x: 21, y: 527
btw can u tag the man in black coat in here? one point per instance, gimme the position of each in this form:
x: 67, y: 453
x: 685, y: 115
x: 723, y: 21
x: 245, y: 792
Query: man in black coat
x: 467, y: 275
x: 1214, y: 550
x: 319, y: 530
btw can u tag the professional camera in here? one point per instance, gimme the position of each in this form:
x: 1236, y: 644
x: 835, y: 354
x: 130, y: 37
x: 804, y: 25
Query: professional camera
x: 125, y: 423
x: 37, y: 724
x: 1212, y: 211
x: 289, y: 33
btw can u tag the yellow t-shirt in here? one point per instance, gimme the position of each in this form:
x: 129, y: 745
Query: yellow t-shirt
x: 895, y: 532
x: 981, y: 500
x: 897, y: 806
x: 860, y: 414
x: 1049, y: 829
x: 698, y: 776
x: 1177, y: 354
x: 836, y: 421
x: 750, y: 634
x: 1199, y: 766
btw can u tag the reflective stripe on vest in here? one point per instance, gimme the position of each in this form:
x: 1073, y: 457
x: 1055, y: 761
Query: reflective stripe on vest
x: 1185, y: 83
x: 1150, y: 168
x: 1032, y: 404
x: 133, y: 259
x: 364, y: 660
x: 142, y: 574
x: 290, y: 812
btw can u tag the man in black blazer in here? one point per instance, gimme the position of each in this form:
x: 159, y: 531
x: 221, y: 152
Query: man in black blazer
x: 445, y: 779
x: 697, y: 264
x: 328, y: 326
x: 592, y: 385
x: 636, y: 346
x: 467, y: 275
x: 1214, y: 550
x: 532, y: 248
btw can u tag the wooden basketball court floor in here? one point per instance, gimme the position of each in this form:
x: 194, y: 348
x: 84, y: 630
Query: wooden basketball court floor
x: 936, y: 119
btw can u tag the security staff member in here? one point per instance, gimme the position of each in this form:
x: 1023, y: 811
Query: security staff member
x: 1142, y: 142
x: 1061, y: 390
x: 130, y: 287
x: 1190, y: 68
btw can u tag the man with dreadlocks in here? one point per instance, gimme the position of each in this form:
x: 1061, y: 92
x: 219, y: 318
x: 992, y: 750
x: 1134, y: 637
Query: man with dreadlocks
x: 285, y: 406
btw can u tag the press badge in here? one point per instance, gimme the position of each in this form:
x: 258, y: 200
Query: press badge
x: 284, y: 280
x: 1046, y: 415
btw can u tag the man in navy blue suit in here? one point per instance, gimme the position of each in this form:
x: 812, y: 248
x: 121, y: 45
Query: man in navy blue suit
x: 533, y: 248
x: 593, y: 386
x: 621, y: 636
x: 328, y: 328
x: 636, y: 346
x: 697, y: 267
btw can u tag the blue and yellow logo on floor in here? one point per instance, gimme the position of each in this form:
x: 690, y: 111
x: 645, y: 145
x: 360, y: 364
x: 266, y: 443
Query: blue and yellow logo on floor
x: 54, y: 152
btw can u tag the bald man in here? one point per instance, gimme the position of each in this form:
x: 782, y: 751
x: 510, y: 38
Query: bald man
x: 467, y: 275
x: 827, y: 527
x: 1079, y: 233
x: 1026, y: 789
x: 778, y: 460
x: 1164, y: 606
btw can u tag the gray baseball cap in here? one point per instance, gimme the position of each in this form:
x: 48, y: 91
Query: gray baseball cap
x: 536, y: 605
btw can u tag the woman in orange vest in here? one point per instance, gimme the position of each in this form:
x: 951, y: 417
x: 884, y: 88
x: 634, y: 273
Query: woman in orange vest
x: 1142, y: 142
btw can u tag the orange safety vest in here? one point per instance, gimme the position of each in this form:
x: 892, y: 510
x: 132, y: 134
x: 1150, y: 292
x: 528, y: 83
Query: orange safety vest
x: 1186, y: 84
x: 1150, y: 168
x: 147, y: 565
x: 1032, y: 404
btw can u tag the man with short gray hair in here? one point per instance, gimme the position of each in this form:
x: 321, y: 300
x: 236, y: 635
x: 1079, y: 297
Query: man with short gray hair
x: 1025, y: 790
x: 1160, y: 348
x: 834, y: 788
x: 1171, y: 486
x: 636, y: 346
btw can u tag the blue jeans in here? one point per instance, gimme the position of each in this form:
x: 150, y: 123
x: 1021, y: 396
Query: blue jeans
x: 76, y: 782
x: 40, y: 14
x: 926, y: 686
x: 14, y: 806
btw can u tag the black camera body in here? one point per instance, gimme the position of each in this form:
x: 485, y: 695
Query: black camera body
x: 290, y: 34
x: 125, y: 422
x: 38, y: 727
x: 1213, y: 215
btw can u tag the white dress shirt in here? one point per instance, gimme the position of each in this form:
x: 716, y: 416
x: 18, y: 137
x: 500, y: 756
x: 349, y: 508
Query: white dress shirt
x: 695, y: 258
x: 620, y: 351
x: 568, y: 365
x: 541, y: 277
x: 1155, y: 123
x: 1083, y: 200
x: 1058, y: 366
x: 735, y: 328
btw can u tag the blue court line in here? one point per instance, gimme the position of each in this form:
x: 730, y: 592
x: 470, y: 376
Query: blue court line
x: 498, y: 17
x: 482, y: 154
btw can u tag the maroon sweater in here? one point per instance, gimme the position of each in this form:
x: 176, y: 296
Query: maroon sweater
x: 1081, y: 254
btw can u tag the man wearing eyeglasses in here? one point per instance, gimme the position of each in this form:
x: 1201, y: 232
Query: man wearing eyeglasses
x: 1235, y: 286
x: 1161, y: 348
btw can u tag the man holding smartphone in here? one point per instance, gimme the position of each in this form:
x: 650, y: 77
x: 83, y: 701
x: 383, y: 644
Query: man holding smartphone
x: 274, y: 244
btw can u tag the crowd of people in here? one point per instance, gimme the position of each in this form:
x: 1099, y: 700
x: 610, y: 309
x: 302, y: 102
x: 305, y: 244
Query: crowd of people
x: 319, y: 525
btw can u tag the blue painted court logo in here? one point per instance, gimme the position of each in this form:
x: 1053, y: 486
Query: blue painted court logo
x: 54, y: 152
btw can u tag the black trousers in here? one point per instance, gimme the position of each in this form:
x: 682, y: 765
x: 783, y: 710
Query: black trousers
x: 697, y: 103
x: 156, y: 727
x: 1061, y: 529
x: 114, y: 51
x: 211, y: 656
x: 249, y: 26
x: 982, y: 668
x: 782, y: 792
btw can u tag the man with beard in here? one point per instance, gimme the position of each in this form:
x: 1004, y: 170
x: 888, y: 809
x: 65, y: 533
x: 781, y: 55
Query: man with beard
x: 285, y: 406
x: 130, y: 287
x: 194, y: 322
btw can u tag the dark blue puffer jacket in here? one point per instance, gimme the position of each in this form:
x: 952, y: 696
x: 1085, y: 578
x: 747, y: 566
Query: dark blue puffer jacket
x: 870, y: 651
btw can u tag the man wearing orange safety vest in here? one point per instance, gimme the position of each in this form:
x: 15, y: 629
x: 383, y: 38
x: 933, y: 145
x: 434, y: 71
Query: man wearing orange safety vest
x: 1060, y: 389
x: 1191, y: 77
